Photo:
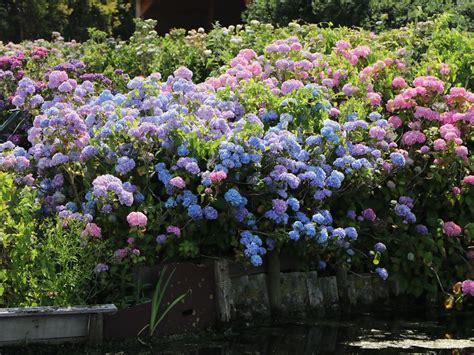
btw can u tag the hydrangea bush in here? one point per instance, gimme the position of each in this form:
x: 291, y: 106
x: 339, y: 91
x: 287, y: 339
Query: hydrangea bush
x: 339, y: 151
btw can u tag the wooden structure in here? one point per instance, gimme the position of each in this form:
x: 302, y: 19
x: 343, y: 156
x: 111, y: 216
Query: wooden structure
x: 190, y: 14
x: 53, y: 324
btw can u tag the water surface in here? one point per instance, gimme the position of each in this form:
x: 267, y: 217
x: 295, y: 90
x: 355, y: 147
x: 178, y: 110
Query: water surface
x: 389, y: 333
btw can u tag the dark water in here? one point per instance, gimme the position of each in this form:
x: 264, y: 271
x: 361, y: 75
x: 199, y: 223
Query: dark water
x: 361, y: 334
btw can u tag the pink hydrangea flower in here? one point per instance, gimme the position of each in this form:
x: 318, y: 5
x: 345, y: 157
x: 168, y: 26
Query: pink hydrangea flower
x: 369, y: 214
x: 342, y: 45
x: 217, y: 176
x: 349, y: 89
x: 461, y: 151
x: 328, y: 82
x: 56, y: 77
x: 449, y: 132
x: 247, y: 53
x: 387, y: 166
x: 388, y: 61
x: 395, y: 121
x: 424, y: 112
x: 456, y: 190
x: 468, y: 287
x: 121, y: 253
x: 137, y: 219
x: 178, y: 182
x: 334, y: 112
x: 444, y: 70
x: 92, y: 230
x: 451, y: 229
x: 374, y: 98
x: 377, y: 132
x: 290, y: 85
x: 208, y: 190
x: 439, y: 144
x: 296, y: 46
x: 425, y: 149
x: 361, y: 51
x: 399, y: 82
x: 469, y: 179
x: 470, y: 255
x: 429, y: 82
x: 413, y: 137
x: 183, y: 73
x: 174, y: 230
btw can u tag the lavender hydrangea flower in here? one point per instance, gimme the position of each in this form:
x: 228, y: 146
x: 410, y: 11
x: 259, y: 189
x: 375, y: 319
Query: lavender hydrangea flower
x: 124, y: 165
x: 380, y: 248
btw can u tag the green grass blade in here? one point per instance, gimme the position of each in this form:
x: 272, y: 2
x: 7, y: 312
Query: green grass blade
x: 167, y: 310
x: 154, y: 301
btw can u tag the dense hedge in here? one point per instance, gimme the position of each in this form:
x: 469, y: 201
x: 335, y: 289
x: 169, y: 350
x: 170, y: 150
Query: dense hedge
x: 70, y: 18
x: 115, y: 17
x: 371, y: 14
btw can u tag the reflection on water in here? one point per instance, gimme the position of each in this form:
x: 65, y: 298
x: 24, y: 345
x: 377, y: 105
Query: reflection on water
x: 362, y: 334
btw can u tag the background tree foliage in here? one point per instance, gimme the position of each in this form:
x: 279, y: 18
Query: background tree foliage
x: 31, y: 19
x: 372, y: 14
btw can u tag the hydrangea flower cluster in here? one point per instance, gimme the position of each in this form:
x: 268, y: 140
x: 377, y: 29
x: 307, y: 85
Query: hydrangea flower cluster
x: 403, y: 209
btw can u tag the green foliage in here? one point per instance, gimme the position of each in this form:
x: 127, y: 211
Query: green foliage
x: 42, y: 262
x: 71, y: 18
x: 396, y: 13
x: 373, y: 14
x: 279, y: 12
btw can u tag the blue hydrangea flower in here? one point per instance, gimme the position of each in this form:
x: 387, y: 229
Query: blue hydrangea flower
x: 382, y: 272
x: 170, y: 203
x: 339, y: 233
x: 161, y: 239
x: 302, y: 217
x: 233, y: 197
x: 195, y: 212
x: 421, y: 229
x: 298, y: 226
x: 270, y: 244
x: 351, y: 233
x: 380, y: 247
x: 183, y: 150
x: 256, y: 260
x: 323, y: 217
x: 397, y: 159
x: 138, y: 197
x: 294, y: 235
x: 322, y: 265
x: 314, y: 140
x: 335, y: 179
x: 124, y: 165
x: 71, y: 206
x: 187, y: 199
x: 309, y: 229
x: 374, y: 116
x: 351, y: 214
x: 323, y: 236
x: 210, y: 213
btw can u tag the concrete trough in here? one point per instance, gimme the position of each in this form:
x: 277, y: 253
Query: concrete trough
x: 53, y: 324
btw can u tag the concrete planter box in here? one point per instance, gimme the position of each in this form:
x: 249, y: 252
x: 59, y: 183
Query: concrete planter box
x: 53, y: 324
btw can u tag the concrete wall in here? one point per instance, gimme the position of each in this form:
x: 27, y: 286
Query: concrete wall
x: 303, y: 294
